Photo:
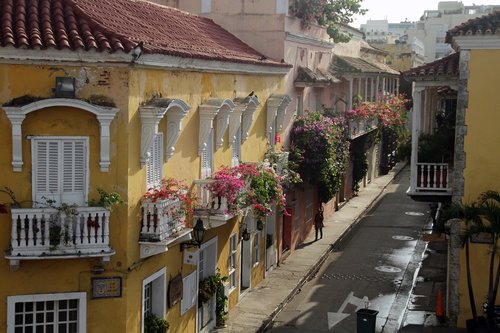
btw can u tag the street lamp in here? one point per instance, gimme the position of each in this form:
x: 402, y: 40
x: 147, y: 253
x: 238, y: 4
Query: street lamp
x: 245, y: 235
x: 198, y: 234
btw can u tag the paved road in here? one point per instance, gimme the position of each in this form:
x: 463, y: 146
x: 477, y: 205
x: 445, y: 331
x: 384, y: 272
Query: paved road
x: 374, y: 264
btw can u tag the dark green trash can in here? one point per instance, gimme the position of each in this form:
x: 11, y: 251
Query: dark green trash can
x: 366, y: 320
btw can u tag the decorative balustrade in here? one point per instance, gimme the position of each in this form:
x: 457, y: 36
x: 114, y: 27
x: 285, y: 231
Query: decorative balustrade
x: 433, y: 177
x: 360, y: 127
x: 51, y: 232
x: 161, y: 219
x: 206, y: 200
x: 208, y: 204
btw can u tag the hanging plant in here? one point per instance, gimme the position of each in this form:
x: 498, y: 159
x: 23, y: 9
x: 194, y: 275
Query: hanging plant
x: 320, y: 151
x: 155, y: 324
x: 264, y: 190
x: 279, y: 161
x: 174, y: 189
x: 253, y: 185
x: 208, y: 286
x: 229, y: 183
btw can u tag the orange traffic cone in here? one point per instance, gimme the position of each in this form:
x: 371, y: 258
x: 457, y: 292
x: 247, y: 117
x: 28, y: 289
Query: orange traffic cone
x: 439, y: 305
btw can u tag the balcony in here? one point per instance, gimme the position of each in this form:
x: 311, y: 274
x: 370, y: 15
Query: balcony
x: 212, y: 210
x: 48, y: 233
x: 358, y: 128
x: 431, y: 182
x: 162, y: 226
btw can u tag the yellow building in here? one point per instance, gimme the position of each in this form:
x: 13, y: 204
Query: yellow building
x: 119, y: 98
x: 466, y: 83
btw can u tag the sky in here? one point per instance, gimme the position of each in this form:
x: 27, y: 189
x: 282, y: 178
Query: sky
x: 397, y: 10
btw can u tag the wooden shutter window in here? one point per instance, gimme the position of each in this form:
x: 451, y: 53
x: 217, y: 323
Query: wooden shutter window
x: 236, y: 149
x: 189, y: 292
x: 154, y: 165
x: 60, y: 170
x: 207, y: 157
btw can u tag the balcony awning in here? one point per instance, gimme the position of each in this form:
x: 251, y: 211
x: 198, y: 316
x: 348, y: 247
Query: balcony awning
x: 444, y: 68
x: 354, y: 65
x: 318, y: 78
x: 351, y: 65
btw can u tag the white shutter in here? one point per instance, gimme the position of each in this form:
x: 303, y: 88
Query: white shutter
x: 73, y: 172
x: 154, y: 165
x: 236, y: 149
x: 158, y: 159
x: 59, y: 170
x: 189, y: 292
x: 207, y: 157
x: 46, y: 170
x: 149, y: 172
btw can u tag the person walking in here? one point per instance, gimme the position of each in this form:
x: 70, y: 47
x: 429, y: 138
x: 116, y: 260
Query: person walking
x: 318, y: 222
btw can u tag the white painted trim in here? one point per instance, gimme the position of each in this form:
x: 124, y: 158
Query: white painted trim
x: 147, y: 280
x: 54, y: 57
x: 489, y: 42
x: 16, y: 115
x: 210, y: 242
x: 303, y: 39
x: 203, y: 246
x: 213, y: 107
x: 249, y: 107
x: 225, y: 111
x: 80, y: 296
x: 276, y: 110
x: 151, y: 115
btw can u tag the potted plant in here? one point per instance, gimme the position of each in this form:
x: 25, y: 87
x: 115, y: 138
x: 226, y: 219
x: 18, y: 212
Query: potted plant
x: 211, y: 286
x: 470, y: 214
x: 106, y: 199
x: 489, y: 202
x: 155, y: 324
x: 482, y: 217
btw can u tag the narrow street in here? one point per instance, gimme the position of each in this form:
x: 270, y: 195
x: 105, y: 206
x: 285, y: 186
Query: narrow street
x: 373, y: 266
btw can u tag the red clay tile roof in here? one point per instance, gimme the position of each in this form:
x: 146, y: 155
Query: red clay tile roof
x: 444, y: 67
x: 117, y: 26
x: 480, y: 26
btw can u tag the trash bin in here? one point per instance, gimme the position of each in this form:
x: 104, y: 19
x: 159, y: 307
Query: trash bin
x: 366, y: 319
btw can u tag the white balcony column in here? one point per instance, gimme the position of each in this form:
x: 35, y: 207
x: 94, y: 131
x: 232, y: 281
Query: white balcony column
x: 358, y: 92
x: 150, y: 118
x: 377, y: 88
x: 372, y: 89
x: 417, y: 111
x: 397, y: 86
x: 365, y: 96
x: 349, y: 102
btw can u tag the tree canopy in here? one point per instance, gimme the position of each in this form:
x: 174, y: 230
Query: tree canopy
x: 329, y: 13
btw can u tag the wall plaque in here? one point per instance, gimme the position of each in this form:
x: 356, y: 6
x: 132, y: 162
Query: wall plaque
x: 106, y: 287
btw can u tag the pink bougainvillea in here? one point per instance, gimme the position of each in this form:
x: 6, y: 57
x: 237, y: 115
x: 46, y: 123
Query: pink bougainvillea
x: 249, y: 185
